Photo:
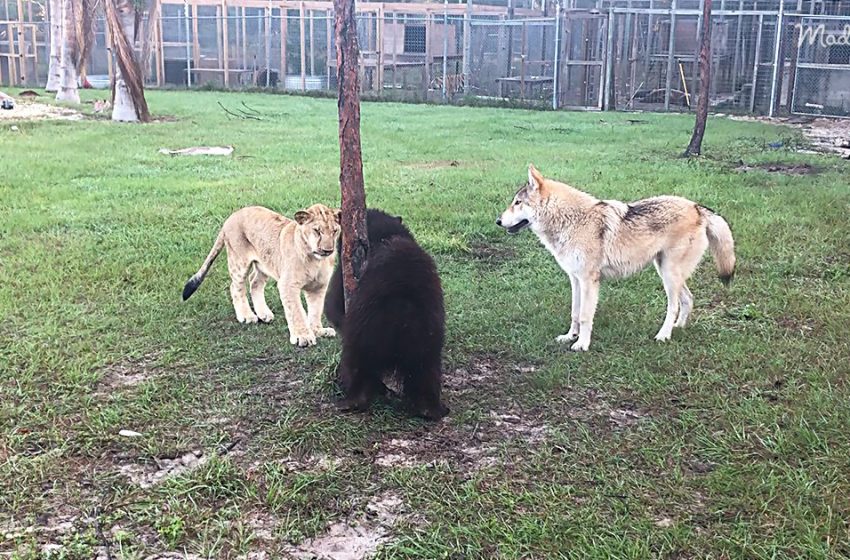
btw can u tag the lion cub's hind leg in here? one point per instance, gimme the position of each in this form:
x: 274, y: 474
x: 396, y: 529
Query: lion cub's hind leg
x: 258, y: 280
x: 239, y: 268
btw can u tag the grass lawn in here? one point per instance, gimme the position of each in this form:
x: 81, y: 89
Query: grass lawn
x: 731, y: 441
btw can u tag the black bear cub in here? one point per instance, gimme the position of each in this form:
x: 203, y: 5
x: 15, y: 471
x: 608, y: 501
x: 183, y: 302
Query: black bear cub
x: 395, y: 322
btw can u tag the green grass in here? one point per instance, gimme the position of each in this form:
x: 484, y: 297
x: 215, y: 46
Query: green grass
x: 729, y: 442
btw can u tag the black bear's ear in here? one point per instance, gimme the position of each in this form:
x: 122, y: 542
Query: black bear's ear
x: 338, y: 216
x: 399, y: 219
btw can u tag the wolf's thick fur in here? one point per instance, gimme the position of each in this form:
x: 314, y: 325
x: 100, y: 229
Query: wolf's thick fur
x: 394, y: 324
x: 594, y: 239
x: 298, y: 254
x: 380, y: 226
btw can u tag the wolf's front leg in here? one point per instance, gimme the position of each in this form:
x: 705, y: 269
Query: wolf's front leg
x: 315, y: 307
x: 299, y: 330
x: 575, y: 310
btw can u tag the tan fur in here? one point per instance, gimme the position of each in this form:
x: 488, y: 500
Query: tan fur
x: 594, y: 239
x: 299, y: 254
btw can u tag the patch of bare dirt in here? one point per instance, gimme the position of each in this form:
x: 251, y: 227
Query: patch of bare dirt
x: 26, y: 110
x: 148, y: 475
x: 825, y: 135
x: 784, y: 168
x: 127, y: 373
x: 803, y: 326
x: 491, y: 253
x: 356, y: 537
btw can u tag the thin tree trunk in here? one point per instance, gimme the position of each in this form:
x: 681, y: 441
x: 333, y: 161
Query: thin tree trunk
x: 54, y: 71
x: 128, y: 92
x: 695, y: 146
x: 355, y: 244
x: 68, y: 55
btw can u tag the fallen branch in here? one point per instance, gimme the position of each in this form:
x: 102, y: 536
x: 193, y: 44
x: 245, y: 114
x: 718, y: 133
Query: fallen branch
x: 237, y: 115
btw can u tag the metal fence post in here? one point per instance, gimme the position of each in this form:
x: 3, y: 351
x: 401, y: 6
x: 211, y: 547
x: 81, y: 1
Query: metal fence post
x: 776, y: 61
x: 445, y: 49
x: 609, y: 61
x: 188, y: 47
x: 557, y: 69
x: 756, y: 65
x: 467, y: 48
x: 671, y: 45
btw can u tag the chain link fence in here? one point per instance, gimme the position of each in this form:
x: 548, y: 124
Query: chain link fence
x: 638, y: 56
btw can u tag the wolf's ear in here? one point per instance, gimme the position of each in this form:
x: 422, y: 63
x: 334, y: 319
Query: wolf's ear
x: 535, y: 179
x: 302, y: 217
x: 338, y: 216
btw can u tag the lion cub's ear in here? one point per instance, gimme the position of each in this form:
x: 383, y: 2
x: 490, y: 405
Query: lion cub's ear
x: 302, y: 217
x: 338, y: 216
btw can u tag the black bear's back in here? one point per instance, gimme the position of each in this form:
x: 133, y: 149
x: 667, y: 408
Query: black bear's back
x: 380, y: 226
x: 397, y: 315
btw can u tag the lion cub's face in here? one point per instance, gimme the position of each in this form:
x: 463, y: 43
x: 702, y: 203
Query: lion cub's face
x: 319, y: 226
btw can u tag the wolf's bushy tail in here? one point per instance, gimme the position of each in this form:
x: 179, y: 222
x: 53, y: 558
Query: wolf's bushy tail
x: 722, y: 246
x: 196, y: 280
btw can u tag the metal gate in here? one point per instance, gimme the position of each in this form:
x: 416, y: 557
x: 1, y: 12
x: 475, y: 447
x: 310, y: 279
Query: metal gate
x: 583, y: 42
x: 822, y: 74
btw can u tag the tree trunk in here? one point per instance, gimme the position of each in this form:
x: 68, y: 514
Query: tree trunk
x: 128, y: 90
x: 68, y: 55
x: 695, y: 146
x: 355, y: 244
x: 54, y: 71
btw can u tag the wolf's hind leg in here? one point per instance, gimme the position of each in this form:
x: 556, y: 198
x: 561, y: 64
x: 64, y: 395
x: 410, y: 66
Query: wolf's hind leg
x: 686, y: 305
x: 673, y: 287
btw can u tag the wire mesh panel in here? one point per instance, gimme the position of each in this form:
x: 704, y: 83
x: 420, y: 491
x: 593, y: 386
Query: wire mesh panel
x: 821, y: 83
x: 513, y: 59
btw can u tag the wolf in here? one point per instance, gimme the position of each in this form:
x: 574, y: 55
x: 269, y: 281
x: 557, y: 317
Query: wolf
x: 594, y: 239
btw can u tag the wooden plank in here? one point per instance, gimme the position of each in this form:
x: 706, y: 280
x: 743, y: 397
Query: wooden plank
x: 196, y: 42
x: 160, y: 53
x: 22, y: 43
x: 395, y: 50
x: 429, y: 34
x: 225, y: 42
x: 312, y: 46
x: 379, y: 46
x: 284, y: 26
x: 330, y: 56
x: 303, y: 48
x: 374, y: 7
x: 268, y: 45
x: 12, y: 60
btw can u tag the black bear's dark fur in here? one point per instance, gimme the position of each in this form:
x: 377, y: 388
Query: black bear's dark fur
x: 395, y: 323
x: 380, y: 226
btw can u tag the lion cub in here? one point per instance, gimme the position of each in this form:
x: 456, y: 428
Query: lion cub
x: 298, y: 254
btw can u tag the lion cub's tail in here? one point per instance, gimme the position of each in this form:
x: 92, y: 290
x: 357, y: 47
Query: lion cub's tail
x: 196, y: 280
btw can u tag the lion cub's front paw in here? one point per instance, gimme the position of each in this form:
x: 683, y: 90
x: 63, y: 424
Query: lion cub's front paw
x: 325, y: 332
x: 266, y: 317
x: 303, y: 340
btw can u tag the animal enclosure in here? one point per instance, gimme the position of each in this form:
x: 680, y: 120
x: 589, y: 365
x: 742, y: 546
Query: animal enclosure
x: 767, y: 57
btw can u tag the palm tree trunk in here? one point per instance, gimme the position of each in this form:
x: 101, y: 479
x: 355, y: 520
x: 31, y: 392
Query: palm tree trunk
x: 54, y: 71
x: 128, y: 92
x: 68, y: 54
